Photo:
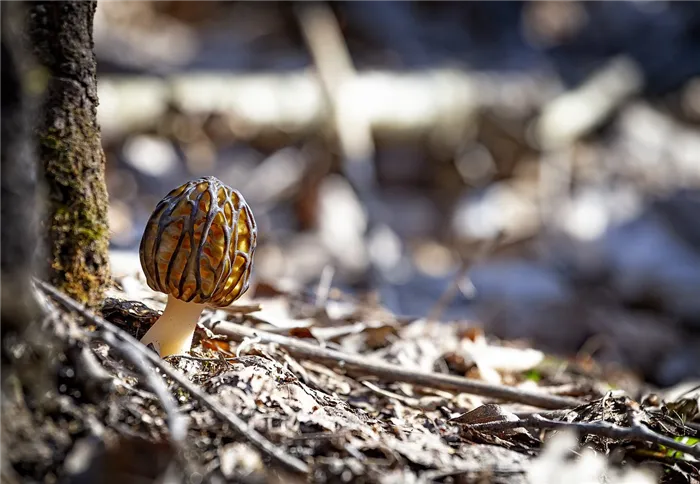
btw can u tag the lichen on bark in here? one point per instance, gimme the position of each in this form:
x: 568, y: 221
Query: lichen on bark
x: 71, y: 159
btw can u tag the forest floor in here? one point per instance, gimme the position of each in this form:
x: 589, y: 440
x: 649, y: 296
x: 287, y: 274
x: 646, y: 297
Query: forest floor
x: 325, y: 388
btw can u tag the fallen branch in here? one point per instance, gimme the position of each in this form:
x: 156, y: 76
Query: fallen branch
x: 394, y: 373
x: 122, y: 339
x: 426, y: 101
x: 636, y: 431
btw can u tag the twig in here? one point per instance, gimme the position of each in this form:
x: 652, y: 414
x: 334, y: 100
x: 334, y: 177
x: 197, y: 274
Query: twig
x: 324, y: 286
x: 411, y: 402
x: 549, y: 414
x: 467, y: 262
x: 636, y: 431
x: 241, y: 308
x: 255, y: 438
x: 245, y: 344
x: 393, y: 373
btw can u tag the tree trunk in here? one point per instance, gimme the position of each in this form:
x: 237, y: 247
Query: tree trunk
x: 70, y: 151
x: 18, y: 177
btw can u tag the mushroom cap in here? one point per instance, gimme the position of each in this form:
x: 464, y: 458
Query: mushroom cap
x: 199, y: 242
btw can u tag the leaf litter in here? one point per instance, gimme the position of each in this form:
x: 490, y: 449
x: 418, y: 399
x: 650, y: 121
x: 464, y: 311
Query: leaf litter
x: 105, y: 422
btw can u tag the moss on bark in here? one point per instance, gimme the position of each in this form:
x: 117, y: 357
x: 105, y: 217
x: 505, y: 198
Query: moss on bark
x: 70, y: 152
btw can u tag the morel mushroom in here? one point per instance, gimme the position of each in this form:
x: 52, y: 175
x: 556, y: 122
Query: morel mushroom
x: 198, y: 249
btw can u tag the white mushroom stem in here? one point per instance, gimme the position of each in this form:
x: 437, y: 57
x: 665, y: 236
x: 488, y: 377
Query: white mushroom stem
x: 172, y: 333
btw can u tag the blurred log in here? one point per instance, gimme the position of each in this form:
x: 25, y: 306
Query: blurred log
x: 70, y: 150
x: 442, y: 101
x: 18, y: 177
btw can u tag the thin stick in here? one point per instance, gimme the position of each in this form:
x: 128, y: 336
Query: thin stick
x: 255, y: 438
x: 549, y: 414
x: 324, y: 286
x: 411, y: 402
x: 636, y: 431
x: 393, y: 373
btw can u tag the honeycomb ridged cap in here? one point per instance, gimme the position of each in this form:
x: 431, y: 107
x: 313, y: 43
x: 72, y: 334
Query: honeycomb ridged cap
x: 199, y: 242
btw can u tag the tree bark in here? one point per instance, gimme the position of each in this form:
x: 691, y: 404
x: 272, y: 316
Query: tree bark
x: 69, y: 150
x: 18, y: 177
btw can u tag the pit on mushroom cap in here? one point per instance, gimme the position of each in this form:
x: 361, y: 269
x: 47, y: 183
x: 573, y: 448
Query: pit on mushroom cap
x: 197, y: 248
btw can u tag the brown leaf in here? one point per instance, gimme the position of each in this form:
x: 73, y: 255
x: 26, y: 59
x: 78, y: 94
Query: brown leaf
x: 300, y: 332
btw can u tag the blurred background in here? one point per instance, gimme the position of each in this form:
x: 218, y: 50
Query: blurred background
x: 550, y: 147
